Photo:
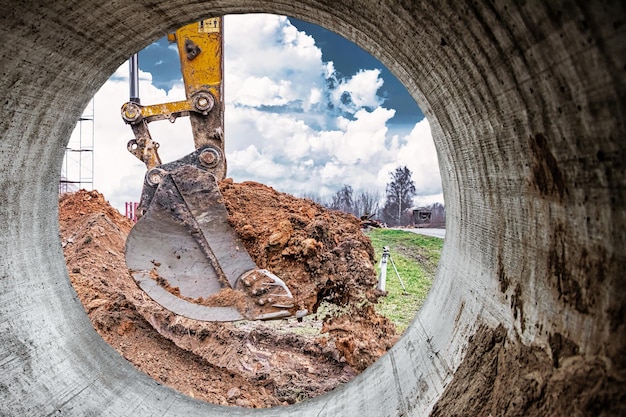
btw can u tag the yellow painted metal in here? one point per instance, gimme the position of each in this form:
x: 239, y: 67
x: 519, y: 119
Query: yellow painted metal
x: 166, y: 110
x: 200, y: 46
x: 204, y: 70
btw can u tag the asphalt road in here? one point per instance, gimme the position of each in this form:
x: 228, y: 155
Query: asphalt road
x: 440, y: 233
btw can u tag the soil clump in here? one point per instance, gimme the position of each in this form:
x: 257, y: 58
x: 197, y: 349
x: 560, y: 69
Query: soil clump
x: 503, y: 377
x: 321, y: 255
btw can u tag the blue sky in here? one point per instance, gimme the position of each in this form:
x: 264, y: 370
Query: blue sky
x: 161, y: 60
x: 306, y: 112
x: 349, y: 59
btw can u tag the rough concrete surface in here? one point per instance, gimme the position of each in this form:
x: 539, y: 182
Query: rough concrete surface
x: 526, y: 104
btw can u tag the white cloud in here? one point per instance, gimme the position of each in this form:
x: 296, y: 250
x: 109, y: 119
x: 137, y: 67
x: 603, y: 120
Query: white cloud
x: 358, y: 91
x: 279, y: 129
x: 259, y: 91
x: 260, y: 166
x: 268, y: 62
x: 417, y: 152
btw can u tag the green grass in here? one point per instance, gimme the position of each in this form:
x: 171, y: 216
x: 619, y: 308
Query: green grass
x: 416, y: 258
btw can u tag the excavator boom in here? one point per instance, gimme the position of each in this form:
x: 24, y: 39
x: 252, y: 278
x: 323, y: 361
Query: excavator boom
x: 182, y: 251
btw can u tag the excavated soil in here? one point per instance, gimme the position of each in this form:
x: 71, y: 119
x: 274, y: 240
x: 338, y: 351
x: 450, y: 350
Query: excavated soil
x: 321, y: 255
x: 503, y: 377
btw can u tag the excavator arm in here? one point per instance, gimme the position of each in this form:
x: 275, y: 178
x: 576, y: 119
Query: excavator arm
x: 182, y: 251
x: 200, y: 48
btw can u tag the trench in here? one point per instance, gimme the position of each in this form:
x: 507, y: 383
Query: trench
x: 526, y: 105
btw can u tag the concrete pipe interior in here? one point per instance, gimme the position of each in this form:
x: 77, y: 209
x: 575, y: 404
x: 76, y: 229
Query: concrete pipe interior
x: 526, y: 103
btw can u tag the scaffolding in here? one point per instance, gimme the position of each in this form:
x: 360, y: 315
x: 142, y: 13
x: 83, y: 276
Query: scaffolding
x: 78, y: 165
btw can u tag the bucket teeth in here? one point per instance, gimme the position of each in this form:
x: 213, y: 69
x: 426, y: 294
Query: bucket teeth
x: 269, y: 297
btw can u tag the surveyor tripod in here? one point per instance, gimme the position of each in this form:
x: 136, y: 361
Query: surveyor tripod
x: 382, y: 277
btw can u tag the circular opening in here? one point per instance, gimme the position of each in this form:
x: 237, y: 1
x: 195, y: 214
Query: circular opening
x: 494, y: 76
x: 319, y: 123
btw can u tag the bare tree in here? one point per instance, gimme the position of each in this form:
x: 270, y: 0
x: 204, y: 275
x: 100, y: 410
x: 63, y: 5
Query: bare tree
x: 399, y: 196
x: 343, y: 201
x: 367, y: 203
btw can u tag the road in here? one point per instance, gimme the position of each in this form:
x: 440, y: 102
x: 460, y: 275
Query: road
x: 440, y: 233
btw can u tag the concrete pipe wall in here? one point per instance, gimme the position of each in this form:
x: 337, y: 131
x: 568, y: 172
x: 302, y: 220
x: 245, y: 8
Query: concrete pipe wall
x: 526, y: 102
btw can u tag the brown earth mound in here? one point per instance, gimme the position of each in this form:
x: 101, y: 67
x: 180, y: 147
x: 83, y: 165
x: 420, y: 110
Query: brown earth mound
x: 321, y: 254
x: 323, y: 257
x: 504, y: 377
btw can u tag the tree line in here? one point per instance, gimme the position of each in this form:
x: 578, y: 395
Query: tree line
x: 393, y: 210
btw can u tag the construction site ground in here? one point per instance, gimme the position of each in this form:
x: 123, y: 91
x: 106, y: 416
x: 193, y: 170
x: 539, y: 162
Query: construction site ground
x: 321, y: 254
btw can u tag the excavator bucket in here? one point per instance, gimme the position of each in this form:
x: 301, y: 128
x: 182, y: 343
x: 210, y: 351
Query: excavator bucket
x: 184, y: 254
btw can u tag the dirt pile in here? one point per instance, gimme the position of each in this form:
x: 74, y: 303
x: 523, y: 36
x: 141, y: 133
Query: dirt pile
x: 320, y: 254
x: 504, y: 377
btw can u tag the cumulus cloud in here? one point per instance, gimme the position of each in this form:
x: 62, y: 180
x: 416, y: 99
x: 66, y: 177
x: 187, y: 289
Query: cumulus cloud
x: 330, y: 130
x: 291, y: 121
x: 358, y: 91
x: 269, y: 62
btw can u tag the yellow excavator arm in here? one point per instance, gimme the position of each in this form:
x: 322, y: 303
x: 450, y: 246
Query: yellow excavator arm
x: 200, y: 48
x: 182, y: 251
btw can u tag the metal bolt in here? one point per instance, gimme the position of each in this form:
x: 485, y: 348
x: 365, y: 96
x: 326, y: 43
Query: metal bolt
x: 155, y: 176
x: 131, y: 112
x: 209, y: 157
x: 203, y: 102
